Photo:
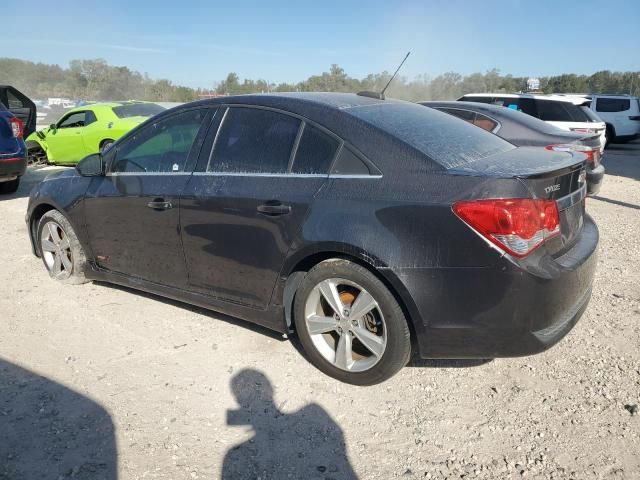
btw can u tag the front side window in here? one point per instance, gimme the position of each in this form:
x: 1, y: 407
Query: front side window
x: 612, y: 104
x: 161, y: 147
x: 74, y: 120
x: 252, y: 140
x: 315, y: 152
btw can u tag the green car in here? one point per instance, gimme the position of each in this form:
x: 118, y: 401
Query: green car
x: 86, y: 130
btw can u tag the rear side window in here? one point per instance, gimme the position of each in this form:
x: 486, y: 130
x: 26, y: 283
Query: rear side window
x: 252, y: 140
x: 551, y: 111
x: 315, y: 153
x: 477, y: 119
x: 590, y: 114
x: 439, y: 136
x: 613, y: 104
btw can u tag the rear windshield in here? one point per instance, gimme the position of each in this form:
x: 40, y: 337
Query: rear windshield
x: 590, y: 114
x: 445, y: 139
x: 554, y: 111
x: 137, y: 110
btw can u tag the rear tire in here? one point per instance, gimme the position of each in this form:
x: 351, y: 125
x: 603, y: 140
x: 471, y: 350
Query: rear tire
x: 10, y: 187
x: 60, y: 249
x: 610, y: 136
x: 350, y: 325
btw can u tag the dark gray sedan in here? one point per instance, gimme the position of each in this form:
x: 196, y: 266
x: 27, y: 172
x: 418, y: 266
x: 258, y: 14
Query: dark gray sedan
x: 524, y: 130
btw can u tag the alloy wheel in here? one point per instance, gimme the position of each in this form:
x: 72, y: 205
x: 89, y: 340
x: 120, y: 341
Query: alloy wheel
x: 56, y: 250
x: 345, y: 324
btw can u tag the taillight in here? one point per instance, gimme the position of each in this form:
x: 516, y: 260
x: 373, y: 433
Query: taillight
x: 516, y: 225
x: 593, y: 154
x: 16, y: 127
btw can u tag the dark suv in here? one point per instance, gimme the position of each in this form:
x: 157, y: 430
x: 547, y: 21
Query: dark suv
x: 16, y: 113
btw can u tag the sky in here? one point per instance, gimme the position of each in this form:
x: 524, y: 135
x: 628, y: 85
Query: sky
x: 197, y: 43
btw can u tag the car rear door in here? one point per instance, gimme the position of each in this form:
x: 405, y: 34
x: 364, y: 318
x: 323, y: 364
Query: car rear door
x: 21, y: 106
x: 132, y: 213
x: 259, y: 171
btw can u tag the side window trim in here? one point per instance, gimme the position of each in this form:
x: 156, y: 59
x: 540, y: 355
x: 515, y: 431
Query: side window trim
x: 296, y: 144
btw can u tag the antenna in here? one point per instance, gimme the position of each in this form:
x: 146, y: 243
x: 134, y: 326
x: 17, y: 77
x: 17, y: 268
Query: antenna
x: 380, y: 96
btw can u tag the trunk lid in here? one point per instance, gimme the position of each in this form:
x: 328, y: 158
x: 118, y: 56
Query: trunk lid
x: 559, y: 176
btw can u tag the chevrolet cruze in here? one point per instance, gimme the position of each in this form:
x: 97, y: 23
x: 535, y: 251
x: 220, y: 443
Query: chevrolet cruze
x: 371, y: 228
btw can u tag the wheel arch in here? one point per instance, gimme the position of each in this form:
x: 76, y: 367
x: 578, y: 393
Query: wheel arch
x: 34, y: 218
x: 610, y: 128
x: 103, y: 141
x: 295, y: 271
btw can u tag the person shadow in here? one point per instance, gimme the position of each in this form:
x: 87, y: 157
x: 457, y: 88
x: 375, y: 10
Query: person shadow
x: 306, y: 444
x: 49, y: 431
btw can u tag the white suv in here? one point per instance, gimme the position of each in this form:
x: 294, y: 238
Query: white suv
x: 621, y: 113
x: 561, y: 111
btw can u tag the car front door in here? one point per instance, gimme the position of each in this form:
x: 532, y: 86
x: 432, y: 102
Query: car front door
x: 132, y: 213
x: 65, y: 142
x: 257, y: 175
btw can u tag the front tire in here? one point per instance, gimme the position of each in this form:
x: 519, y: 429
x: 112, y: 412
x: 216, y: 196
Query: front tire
x: 350, y: 325
x: 105, y: 144
x: 60, y: 249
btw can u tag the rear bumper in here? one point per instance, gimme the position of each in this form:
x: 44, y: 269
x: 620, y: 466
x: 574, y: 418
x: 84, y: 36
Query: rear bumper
x: 12, y: 166
x: 506, y: 310
x: 594, y: 179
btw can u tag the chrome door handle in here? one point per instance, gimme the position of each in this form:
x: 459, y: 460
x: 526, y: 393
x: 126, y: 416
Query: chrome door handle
x: 274, y: 209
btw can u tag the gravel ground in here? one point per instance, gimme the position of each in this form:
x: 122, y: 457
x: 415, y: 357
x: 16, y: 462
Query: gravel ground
x: 102, y: 382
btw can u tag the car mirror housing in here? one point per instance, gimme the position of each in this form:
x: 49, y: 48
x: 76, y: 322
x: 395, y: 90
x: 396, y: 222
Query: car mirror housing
x: 91, y: 166
x: 52, y: 126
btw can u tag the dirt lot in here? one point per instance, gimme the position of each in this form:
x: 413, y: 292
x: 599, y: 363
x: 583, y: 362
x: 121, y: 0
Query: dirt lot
x: 101, y: 382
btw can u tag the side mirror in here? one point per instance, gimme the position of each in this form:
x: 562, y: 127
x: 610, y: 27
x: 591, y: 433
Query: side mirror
x: 91, y: 166
x: 52, y: 126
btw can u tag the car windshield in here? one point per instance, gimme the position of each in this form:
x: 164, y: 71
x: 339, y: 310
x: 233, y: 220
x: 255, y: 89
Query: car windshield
x: 557, y: 111
x: 447, y: 140
x: 137, y: 110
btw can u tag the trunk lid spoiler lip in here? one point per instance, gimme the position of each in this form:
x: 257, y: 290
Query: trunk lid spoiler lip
x: 523, y: 162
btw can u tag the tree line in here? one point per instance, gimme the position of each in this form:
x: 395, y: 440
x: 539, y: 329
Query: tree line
x: 97, y: 80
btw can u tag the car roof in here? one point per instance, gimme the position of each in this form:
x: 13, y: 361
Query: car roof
x: 99, y: 105
x: 329, y: 100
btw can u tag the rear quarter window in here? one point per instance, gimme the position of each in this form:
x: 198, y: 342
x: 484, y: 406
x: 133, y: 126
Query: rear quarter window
x: 446, y: 140
x: 613, y: 104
